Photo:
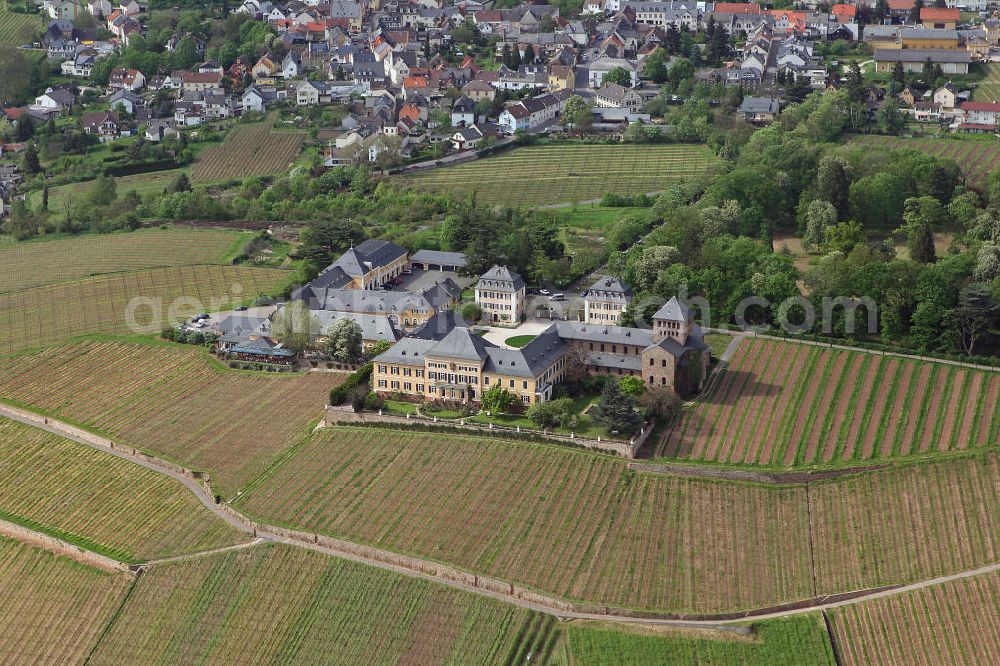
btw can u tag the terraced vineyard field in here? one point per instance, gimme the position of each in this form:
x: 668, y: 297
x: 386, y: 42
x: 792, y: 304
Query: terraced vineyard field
x: 288, y: 605
x: 248, y: 150
x: 956, y: 623
x: 101, y: 502
x: 33, y: 264
x: 540, y: 175
x: 173, y: 401
x: 584, y: 527
x: 17, y: 29
x: 53, y: 609
x: 905, y: 525
x: 574, y: 524
x: 155, y: 298
x: 988, y: 90
x: 789, y: 404
x: 977, y: 158
x: 796, y: 640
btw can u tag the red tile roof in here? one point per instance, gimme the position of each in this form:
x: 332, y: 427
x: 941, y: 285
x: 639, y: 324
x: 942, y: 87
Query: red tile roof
x: 981, y: 106
x: 938, y: 14
x: 900, y: 5
x: 844, y: 10
x: 737, y: 8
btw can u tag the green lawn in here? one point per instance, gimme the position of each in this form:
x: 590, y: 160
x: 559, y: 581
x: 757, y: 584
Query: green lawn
x: 592, y: 431
x: 143, y: 184
x: 796, y: 640
x: 717, y: 342
x: 400, y: 407
x: 518, y: 341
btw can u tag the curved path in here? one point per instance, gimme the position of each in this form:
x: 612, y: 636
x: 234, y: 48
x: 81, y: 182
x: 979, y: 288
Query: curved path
x: 432, y: 571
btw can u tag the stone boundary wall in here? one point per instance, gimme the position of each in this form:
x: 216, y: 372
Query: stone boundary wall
x: 338, y: 415
x: 60, y: 547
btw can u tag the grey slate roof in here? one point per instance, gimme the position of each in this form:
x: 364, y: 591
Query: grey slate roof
x: 373, y: 327
x: 529, y: 360
x: 241, y: 324
x: 462, y: 343
x: 621, y: 335
x: 410, y: 351
x: 921, y: 55
x: 439, y: 257
x: 674, y: 310
x: 364, y: 301
x: 609, y: 288
x: 442, y: 293
x: 438, y: 326
x: 759, y: 105
x: 500, y: 278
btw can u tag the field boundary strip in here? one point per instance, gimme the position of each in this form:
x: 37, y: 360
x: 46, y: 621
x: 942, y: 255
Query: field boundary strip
x: 443, y: 574
x: 64, y: 548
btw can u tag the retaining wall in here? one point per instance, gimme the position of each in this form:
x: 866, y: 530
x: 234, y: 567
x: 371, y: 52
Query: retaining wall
x: 337, y: 415
x: 60, y: 547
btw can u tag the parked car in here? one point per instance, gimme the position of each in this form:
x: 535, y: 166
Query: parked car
x: 242, y: 308
x: 544, y: 292
x: 557, y: 297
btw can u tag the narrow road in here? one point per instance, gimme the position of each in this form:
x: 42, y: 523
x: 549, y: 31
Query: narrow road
x: 432, y: 571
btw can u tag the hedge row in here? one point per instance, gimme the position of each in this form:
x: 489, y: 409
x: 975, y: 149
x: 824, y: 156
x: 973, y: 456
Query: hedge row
x: 362, y: 375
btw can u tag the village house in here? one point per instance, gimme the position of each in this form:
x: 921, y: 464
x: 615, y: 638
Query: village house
x: 106, y: 125
x: 612, y: 95
x: 605, y: 301
x: 126, y: 79
x: 500, y: 294
x: 758, y: 110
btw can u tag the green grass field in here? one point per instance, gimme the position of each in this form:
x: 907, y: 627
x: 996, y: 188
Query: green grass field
x: 122, y: 303
x: 17, y: 29
x: 43, y: 261
x: 586, y: 226
x: 283, y: 605
x: 72, y: 193
x: 541, y: 175
x: 101, y: 502
x: 53, y: 608
x: 797, y: 640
